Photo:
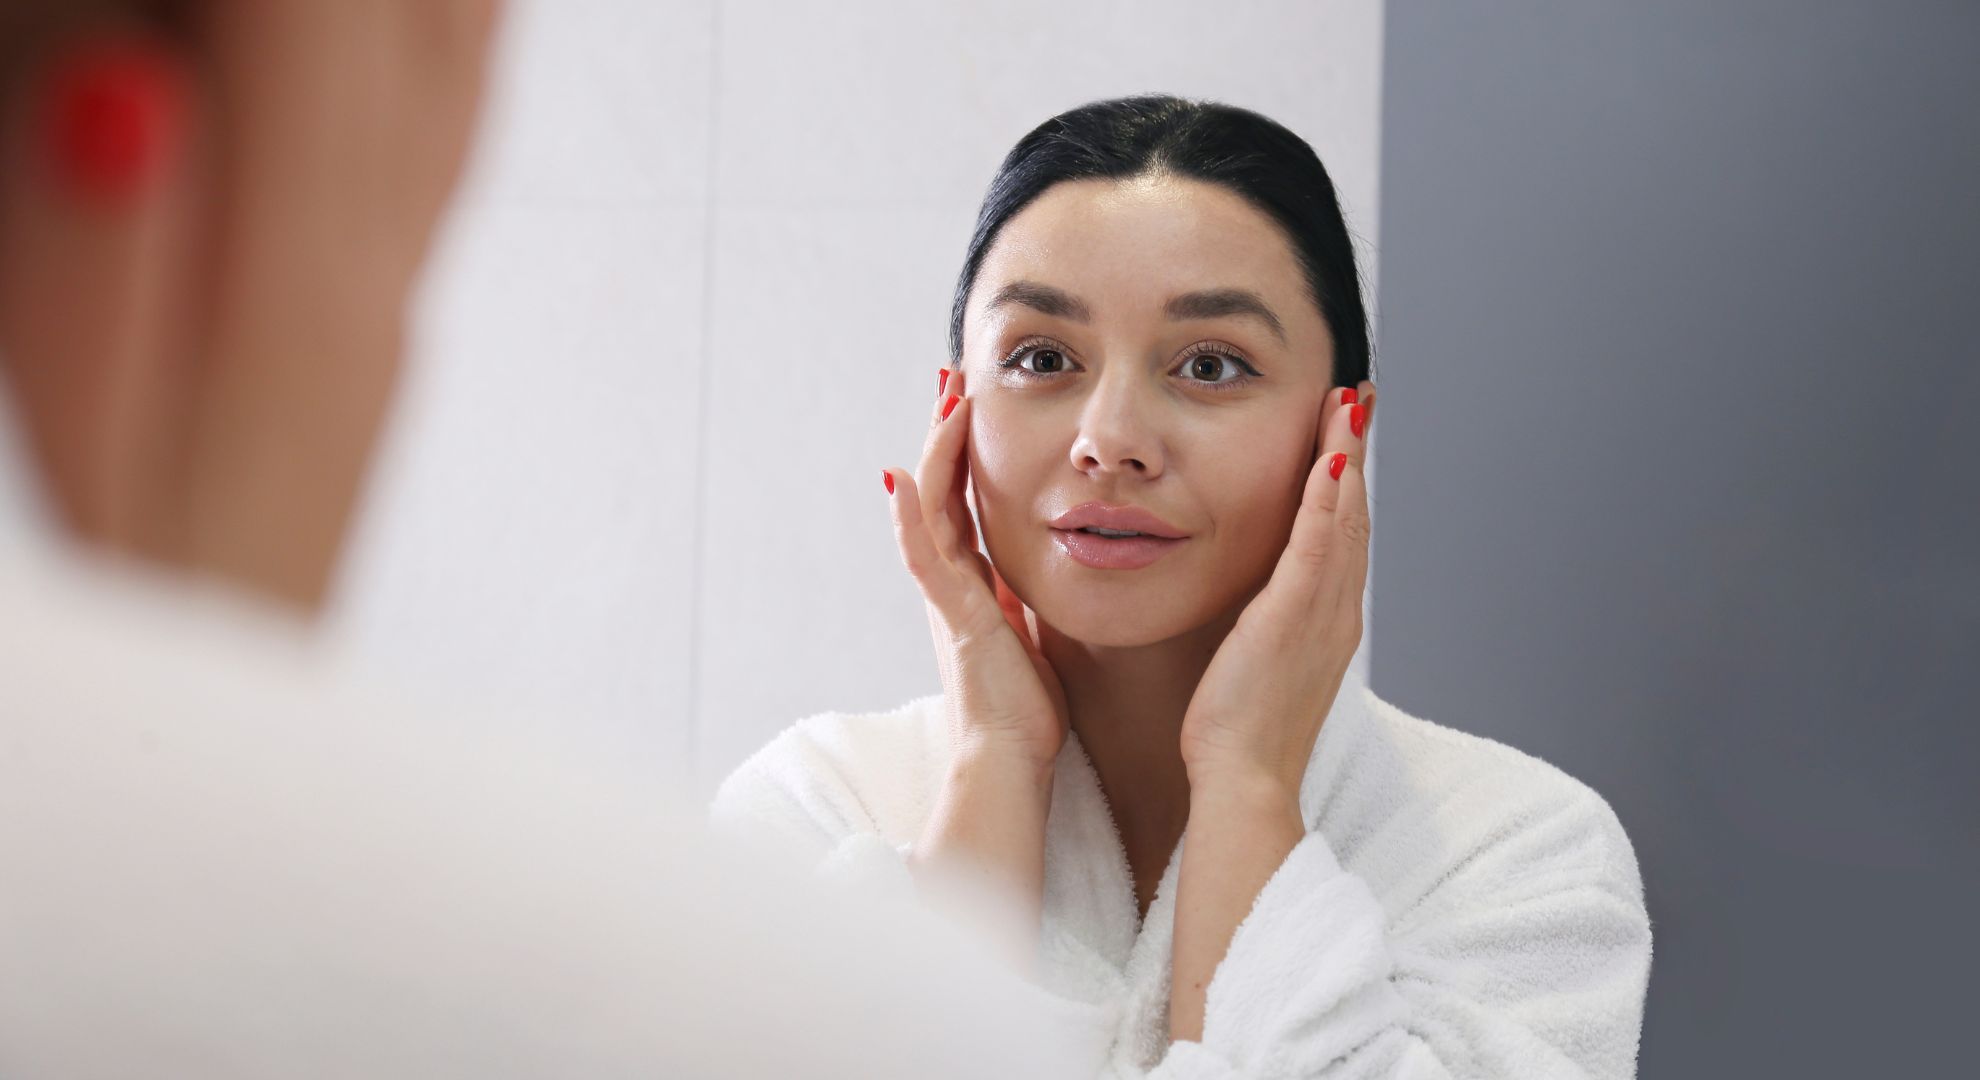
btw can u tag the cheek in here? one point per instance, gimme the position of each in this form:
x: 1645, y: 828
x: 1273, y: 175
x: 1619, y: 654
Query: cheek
x: 1011, y: 457
x: 1258, y: 496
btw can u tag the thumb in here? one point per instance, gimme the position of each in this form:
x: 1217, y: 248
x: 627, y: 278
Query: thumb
x: 1012, y: 607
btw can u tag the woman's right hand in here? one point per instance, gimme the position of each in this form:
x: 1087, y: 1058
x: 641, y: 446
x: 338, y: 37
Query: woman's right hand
x: 981, y: 854
x: 1002, y: 697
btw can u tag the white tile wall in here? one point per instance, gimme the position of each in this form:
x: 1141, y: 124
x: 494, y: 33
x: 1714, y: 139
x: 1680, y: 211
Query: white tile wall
x: 694, y: 299
x: 824, y: 339
x: 529, y: 537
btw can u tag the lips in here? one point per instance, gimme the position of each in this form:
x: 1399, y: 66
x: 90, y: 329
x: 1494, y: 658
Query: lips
x: 1117, y: 519
x: 1104, y: 536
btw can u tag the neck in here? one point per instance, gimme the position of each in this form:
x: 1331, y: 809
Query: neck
x: 1127, y: 705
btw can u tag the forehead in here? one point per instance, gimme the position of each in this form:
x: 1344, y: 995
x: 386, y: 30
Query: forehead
x: 1127, y: 246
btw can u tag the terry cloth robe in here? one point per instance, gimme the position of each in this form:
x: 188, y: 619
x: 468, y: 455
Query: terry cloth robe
x: 1456, y: 909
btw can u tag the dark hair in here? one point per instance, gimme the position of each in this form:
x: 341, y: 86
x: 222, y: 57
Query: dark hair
x: 1253, y: 156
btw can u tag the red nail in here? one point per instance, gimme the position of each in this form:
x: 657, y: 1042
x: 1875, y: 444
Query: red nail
x: 1340, y: 462
x: 1348, y: 396
x: 887, y: 478
x: 942, y: 387
x: 114, y: 114
x: 1357, y: 419
x: 949, y: 407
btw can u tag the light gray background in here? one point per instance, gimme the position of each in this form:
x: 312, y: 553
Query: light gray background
x: 1680, y: 486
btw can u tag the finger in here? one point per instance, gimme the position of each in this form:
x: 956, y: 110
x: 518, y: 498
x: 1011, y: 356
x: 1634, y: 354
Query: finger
x: 980, y: 564
x: 958, y: 502
x: 959, y: 509
x: 919, y: 554
x: 937, y: 474
x: 949, y: 385
x: 1336, y: 435
x: 1307, y: 548
x: 96, y: 208
x: 1010, y: 605
x: 1352, y: 529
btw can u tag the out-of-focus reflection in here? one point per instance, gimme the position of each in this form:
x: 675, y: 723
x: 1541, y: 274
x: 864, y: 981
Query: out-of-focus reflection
x: 221, y: 864
x: 221, y: 861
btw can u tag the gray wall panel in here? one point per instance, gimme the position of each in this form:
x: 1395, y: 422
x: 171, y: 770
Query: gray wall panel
x: 1680, y: 486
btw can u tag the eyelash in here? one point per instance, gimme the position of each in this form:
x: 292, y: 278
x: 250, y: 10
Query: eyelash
x: 1018, y: 352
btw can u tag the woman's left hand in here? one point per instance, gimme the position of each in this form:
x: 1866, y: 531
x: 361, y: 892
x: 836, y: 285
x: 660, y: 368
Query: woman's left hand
x: 1257, y: 711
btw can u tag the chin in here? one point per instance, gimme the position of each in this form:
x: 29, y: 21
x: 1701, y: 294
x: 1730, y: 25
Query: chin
x: 1133, y: 610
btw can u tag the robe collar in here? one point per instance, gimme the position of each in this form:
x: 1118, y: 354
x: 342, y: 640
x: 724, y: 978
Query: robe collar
x: 1095, y: 946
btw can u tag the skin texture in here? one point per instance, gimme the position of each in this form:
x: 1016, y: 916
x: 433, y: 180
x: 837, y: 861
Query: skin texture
x: 203, y: 352
x: 1197, y: 685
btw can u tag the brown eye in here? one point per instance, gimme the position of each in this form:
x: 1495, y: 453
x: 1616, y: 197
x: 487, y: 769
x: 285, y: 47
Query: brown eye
x: 1215, y: 368
x: 1046, y: 361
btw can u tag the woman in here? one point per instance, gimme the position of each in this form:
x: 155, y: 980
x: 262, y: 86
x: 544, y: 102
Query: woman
x: 1235, y: 856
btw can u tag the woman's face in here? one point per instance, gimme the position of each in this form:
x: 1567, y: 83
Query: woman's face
x: 1142, y: 355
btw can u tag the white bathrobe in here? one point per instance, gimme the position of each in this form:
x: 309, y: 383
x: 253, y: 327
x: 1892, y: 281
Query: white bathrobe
x: 1457, y: 908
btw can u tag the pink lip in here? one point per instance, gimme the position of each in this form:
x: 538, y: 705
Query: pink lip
x: 1114, y: 553
x: 1119, y: 518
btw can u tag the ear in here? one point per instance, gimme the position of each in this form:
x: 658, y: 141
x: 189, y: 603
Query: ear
x: 95, y: 216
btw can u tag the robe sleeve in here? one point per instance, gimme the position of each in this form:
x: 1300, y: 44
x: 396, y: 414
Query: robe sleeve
x: 1529, y: 959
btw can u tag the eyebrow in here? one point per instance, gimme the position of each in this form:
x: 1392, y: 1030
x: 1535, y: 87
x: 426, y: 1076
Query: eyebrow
x: 1220, y: 303
x: 1043, y: 298
x: 1203, y: 304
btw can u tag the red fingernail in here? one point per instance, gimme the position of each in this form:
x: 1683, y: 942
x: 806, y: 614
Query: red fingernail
x: 1357, y: 419
x: 942, y: 387
x: 887, y: 478
x: 1348, y: 396
x: 113, y: 117
x: 1340, y: 462
x: 949, y: 407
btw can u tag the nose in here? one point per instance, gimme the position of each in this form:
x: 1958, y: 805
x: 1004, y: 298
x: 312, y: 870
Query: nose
x: 1117, y: 437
